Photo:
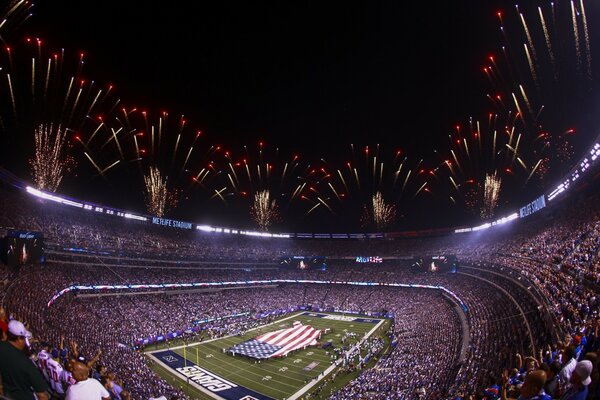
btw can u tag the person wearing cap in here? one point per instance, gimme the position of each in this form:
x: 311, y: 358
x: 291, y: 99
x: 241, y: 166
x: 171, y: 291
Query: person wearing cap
x: 21, y: 380
x: 86, y: 388
x: 580, y: 380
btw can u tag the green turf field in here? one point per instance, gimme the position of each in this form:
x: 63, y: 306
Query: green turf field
x: 277, y: 378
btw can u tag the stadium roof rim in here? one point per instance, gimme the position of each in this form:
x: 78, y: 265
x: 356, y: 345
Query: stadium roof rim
x: 577, y: 171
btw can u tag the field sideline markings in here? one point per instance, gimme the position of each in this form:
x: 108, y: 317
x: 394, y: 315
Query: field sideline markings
x: 295, y: 395
x: 239, y: 369
x: 245, y: 369
x: 255, y: 373
x: 276, y: 372
x: 194, y: 384
x: 170, y: 370
x: 332, y: 367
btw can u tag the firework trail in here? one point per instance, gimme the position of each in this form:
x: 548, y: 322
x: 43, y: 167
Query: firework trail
x: 539, y: 93
x: 532, y: 80
x: 144, y: 143
x: 12, y: 16
x: 586, y: 41
x: 495, y: 147
x: 251, y: 173
x: 371, y: 174
x: 42, y: 87
x: 50, y: 161
x: 264, y: 210
x: 547, y: 40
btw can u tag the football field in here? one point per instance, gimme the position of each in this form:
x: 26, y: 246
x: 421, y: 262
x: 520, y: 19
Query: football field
x: 206, y: 371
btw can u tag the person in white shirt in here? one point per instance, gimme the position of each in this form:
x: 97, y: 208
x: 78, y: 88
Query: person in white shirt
x: 42, y: 358
x: 568, y: 366
x: 86, y: 388
x: 54, y: 370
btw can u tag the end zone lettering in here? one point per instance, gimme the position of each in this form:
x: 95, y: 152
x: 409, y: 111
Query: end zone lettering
x: 339, y: 318
x: 205, y: 379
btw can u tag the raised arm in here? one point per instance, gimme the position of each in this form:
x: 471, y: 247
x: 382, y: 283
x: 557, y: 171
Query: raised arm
x: 94, y: 360
x: 519, y: 361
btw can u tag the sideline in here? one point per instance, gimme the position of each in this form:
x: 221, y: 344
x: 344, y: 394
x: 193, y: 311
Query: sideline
x: 179, y: 376
x: 294, y: 396
x: 173, y: 372
x: 333, y: 366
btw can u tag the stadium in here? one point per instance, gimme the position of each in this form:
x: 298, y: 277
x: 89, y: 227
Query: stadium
x: 152, y: 302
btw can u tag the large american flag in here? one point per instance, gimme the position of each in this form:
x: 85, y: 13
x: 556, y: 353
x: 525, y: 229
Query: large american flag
x: 278, y: 343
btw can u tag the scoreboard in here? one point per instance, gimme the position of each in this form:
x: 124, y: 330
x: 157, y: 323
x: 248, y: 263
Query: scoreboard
x: 436, y: 264
x: 304, y: 262
x: 22, y: 247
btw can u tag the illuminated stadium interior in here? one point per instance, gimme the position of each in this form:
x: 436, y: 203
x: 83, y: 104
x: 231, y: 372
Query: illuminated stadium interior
x: 301, y: 277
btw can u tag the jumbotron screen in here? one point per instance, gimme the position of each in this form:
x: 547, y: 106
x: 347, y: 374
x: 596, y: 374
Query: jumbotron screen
x: 23, y: 247
x: 304, y: 262
x: 436, y: 264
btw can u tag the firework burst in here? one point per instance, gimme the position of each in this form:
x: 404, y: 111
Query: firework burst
x: 544, y: 76
x: 264, y: 210
x: 50, y: 161
x: 370, y: 175
x: 43, y: 87
x: 491, y: 193
x: 492, y: 147
x: 159, y: 199
x: 145, y: 144
x: 255, y: 172
x: 380, y: 214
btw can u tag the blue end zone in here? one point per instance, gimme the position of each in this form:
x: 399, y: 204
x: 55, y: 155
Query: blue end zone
x: 205, y: 379
x: 347, y: 317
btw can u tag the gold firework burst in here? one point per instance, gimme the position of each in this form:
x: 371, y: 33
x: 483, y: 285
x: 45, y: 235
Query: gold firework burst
x: 50, y: 161
x: 264, y: 210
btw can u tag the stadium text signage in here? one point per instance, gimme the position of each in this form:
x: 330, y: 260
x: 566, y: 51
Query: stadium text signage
x: 171, y: 223
x: 374, y: 260
x: 532, y: 207
x: 11, y: 233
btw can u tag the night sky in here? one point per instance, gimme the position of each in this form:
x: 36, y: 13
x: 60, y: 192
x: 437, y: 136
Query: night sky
x: 308, y: 78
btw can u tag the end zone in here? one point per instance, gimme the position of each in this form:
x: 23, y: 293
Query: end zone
x: 203, y: 380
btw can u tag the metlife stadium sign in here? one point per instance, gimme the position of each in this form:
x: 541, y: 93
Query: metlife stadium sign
x: 369, y: 260
x: 533, y: 207
x: 172, y: 223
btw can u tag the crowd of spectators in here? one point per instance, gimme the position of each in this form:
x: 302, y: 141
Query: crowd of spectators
x: 523, y: 286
